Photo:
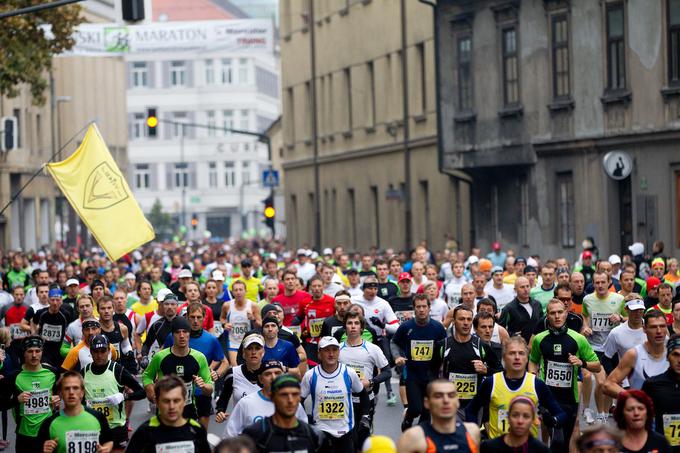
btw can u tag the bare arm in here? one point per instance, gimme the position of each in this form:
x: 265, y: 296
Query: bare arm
x: 503, y: 334
x: 612, y: 385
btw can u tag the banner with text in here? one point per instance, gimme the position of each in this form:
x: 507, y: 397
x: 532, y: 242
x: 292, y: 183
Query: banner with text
x: 232, y: 35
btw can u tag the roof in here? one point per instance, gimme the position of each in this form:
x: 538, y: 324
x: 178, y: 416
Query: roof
x: 183, y: 10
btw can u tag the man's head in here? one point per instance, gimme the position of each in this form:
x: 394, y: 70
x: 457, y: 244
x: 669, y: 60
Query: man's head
x: 530, y: 273
x: 421, y: 308
x: 599, y: 439
x: 91, y: 327
x: 548, y: 275
x: 483, y: 324
x: 370, y: 287
x: 71, y: 388
x: 269, y: 371
x: 246, y: 268
x: 286, y: 395
x: 479, y: 282
x: 515, y: 354
x: 563, y: 294
x: 658, y: 268
x: 627, y: 280
x: 55, y: 299
x: 170, y: 398
x: 270, y: 328
x: 196, y: 316
x: 327, y: 273
x: 105, y: 308
x: 271, y: 288
x: 316, y: 287
x: 653, y: 284
x: 556, y: 314
x: 382, y: 270
x: 99, y: 349
x: 520, y: 264
x: 342, y: 303
x: 441, y: 399
x: 497, y: 276
x: 32, y: 348
x: 635, y: 307
x: 522, y: 289
x: 120, y: 301
x: 665, y: 294
x: 354, y: 324
x: 289, y: 281
x: 98, y: 289
x: 486, y: 305
x: 329, y: 352
x: 170, y: 304
x: 84, y: 306
x: 181, y: 329
x: 606, y: 267
x: 462, y: 320
x: 417, y: 270
x: 404, y: 282
x: 18, y: 293
x: 655, y: 327
x: 601, y: 284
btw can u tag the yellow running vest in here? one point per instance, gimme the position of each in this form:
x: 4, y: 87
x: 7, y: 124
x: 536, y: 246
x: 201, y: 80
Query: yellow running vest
x: 501, y: 396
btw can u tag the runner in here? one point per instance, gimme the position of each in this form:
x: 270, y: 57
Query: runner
x: 105, y: 384
x: 521, y: 417
x: 13, y: 314
x: 522, y: 314
x: 333, y: 323
x: 556, y: 356
x: 292, y: 298
x: 80, y: 355
x: 626, y: 335
x: 438, y: 308
x: 498, y: 335
x: 238, y: 317
x: 188, y: 364
x: 663, y: 390
x: 665, y: 292
x: 253, y: 285
x: 330, y: 386
x: 75, y: 428
x: 312, y: 316
x: 452, y: 287
x: 146, y: 302
x: 74, y: 331
x: 283, y: 431
x: 31, y: 393
x: 254, y: 407
x: 444, y: 431
x: 193, y: 292
x: 644, y: 360
x: 170, y: 430
x: 466, y: 359
x: 117, y: 333
x: 160, y: 329
x: 413, y: 345
x: 501, y: 292
x: 241, y: 380
x: 498, y: 390
x: 206, y: 343
x: 387, y: 289
x: 50, y: 323
x: 277, y: 349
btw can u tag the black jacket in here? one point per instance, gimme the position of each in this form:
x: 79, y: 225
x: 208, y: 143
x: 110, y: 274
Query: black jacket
x: 516, y: 319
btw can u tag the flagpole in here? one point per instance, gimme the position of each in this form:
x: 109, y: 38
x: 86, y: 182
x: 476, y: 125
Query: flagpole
x: 56, y: 154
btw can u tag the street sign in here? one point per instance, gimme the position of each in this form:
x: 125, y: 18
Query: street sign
x: 270, y: 178
x: 617, y: 164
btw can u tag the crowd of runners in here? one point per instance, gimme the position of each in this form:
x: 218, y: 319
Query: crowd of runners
x: 288, y: 350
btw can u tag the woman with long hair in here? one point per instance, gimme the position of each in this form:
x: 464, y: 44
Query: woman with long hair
x: 634, y: 415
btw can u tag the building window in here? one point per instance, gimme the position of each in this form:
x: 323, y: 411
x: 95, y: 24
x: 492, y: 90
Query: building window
x: 565, y: 203
x: 674, y: 42
x: 140, y: 74
x: 616, y: 51
x: 229, y: 174
x: 510, y: 73
x: 244, y: 124
x: 422, y: 77
x: 209, y: 72
x: 178, y: 129
x: 560, y: 56
x: 212, y: 174
x: 243, y: 70
x: 181, y: 175
x: 138, y: 126
x: 210, y: 120
x: 227, y: 121
x: 371, y: 94
x: 289, y: 117
x: 142, y: 176
x: 245, y: 173
x: 227, y: 74
x: 178, y: 73
x: 348, y: 94
x: 464, y: 73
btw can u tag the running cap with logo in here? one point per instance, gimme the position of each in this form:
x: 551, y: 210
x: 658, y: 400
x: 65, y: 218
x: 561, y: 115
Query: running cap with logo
x: 72, y: 281
x: 170, y: 299
x: 473, y: 259
x: 91, y: 323
x: 270, y: 364
x: 130, y: 276
x: 635, y: 304
x: 404, y: 276
x: 253, y: 338
x: 496, y: 269
x: 614, y: 259
x: 184, y: 273
x: 163, y: 293
x: 653, y: 283
x: 520, y: 259
x: 283, y: 381
x: 99, y: 342
x: 327, y: 251
x: 328, y: 341
x: 31, y: 342
x: 180, y: 323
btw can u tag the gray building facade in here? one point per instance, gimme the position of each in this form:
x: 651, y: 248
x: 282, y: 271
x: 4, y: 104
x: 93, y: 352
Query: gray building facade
x: 533, y: 94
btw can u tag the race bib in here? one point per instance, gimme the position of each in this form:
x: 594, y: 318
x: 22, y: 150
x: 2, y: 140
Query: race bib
x: 599, y: 322
x: 218, y: 329
x: 559, y: 374
x: 502, y: 421
x: 38, y: 403
x: 404, y: 315
x: 82, y: 441
x: 296, y: 330
x: 190, y: 392
x: 116, y: 346
x: 671, y: 429
x: 466, y: 385
x: 332, y: 407
x: 100, y: 405
x: 239, y: 329
x: 186, y: 446
x: 359, y: 370
x: 315, y: 327
x: 421, y: 350
x: 51, y: 333
x: 16, y: 333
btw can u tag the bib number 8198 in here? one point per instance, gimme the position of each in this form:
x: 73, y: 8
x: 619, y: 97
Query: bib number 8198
x: 81, y: 447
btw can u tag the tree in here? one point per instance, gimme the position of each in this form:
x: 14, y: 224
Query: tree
x: 28, y: 43
x: 161, y: 221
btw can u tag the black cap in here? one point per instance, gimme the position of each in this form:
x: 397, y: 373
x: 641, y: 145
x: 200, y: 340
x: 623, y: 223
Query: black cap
x: 520, y: 259
x: 529, y: 269
x: 97, y: 283
x: 180, y: 323
x: 267, y: 308
x: 170, y: 298
x: 270, y: 319
x: 269, y: 364
x: 99, y: 342
x: 246, y: 263
x: 91, y: 323
x: 31, y: 342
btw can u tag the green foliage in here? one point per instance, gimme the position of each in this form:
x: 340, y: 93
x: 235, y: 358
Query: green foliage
x: 161, y: 221
x: 26, y: 51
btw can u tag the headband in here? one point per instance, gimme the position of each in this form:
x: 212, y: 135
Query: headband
x: 55, y: 292
x: 522, y: 399
x: 31, y: 342
x: 343, y: 297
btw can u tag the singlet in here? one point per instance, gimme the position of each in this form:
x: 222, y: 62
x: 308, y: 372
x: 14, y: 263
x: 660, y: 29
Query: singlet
x: 501, y: 395
x: 458, y: 368
x: 363, y: 359
x: 459, y: 441
x: 496, y: 335
x: 240, y: 324
x: 115, y: 337
x: 599, y: 311
x: 100, y: 386
x: 645, y: 367
x: 241, y: 385
x: 128, y: 319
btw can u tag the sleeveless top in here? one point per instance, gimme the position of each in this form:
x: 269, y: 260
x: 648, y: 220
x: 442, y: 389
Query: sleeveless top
x: 241, y: 385
x: 240, y: 324
x: 645, y: 367
x: 496, y: 335
x: 501, y: 395
x: 459, y: 441
x: 115, y: 337
x: 100, y: 386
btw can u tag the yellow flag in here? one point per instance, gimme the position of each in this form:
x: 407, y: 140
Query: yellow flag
x: 93, y: 184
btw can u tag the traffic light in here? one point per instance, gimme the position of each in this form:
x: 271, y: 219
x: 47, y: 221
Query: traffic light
x: 269, y: 212
x: 194, y: 222
x: 133, y: 10
x: 9, y: 133
x: 151, y: 123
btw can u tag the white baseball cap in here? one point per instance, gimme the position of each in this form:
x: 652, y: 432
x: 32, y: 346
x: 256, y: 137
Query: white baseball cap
x: 253, y: 338
x: 130, y: 276
x: 635, y: 304
x: 328, y: 341
x: 218, y: 275
x: 185, y: 273
x: 72, y: 281
x: 637, y: 248
x: 472, y: 260
x: 614, y: 259
x: 301, y: 252
x: 160, y: 297
x: 327, y: 251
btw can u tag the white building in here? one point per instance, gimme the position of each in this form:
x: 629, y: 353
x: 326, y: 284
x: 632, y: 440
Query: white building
x: 211, y: 175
